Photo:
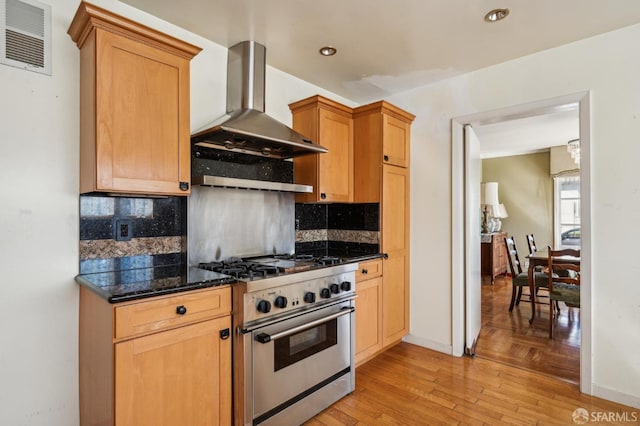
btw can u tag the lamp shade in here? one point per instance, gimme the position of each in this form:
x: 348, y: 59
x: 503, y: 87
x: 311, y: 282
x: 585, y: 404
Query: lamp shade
x: 502, y: 212
x: 489, y: 193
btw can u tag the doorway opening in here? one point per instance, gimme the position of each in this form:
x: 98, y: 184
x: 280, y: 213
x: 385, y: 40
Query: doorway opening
x: 462, y: 254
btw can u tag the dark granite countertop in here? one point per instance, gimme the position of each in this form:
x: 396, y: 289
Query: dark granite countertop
x: 131, y: 284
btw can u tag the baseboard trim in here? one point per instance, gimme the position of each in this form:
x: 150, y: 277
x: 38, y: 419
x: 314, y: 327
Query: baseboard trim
x: 615, y: 396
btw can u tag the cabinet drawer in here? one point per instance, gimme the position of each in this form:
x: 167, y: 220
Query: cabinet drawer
x: 161, y: 313
x: 369, y: 269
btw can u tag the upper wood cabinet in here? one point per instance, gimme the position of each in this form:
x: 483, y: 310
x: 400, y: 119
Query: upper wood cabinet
x: 134, y: 106
x: 331, y: 174
x: 382, y: 136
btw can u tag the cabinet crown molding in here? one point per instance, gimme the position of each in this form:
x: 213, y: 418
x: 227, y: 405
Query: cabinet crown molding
x: 314, y: 101
x: 384, y: 107
x: 88, y: 17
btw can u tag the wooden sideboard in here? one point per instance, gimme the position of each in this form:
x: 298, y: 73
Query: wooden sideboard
x: 493, y: 255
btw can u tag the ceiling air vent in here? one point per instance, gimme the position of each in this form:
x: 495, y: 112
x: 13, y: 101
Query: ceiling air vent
x: 25, y: 35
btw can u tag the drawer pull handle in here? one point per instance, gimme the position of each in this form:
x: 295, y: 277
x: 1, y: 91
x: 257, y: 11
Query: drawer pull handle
x: 224, y: 334
x: 181, y: 310
x: 365, y: 271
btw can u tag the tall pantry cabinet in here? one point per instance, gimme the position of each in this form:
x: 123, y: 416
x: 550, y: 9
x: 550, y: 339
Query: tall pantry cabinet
x: 382, y: 138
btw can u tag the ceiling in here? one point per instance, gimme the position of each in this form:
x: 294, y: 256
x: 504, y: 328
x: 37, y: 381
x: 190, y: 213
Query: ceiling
x: 386, y: 47
x: 528, y: 134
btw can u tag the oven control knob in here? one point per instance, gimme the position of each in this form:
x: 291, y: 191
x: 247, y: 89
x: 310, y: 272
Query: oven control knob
x: 345, y: 286
x: 325, y: 293
x: 280, y: 302
x: 264, y: 306
x: 335, y: 288
x: 309, y: 297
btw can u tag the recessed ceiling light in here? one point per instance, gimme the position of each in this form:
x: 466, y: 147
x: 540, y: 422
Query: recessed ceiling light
x: 328, y: 51
x: 496, y: 15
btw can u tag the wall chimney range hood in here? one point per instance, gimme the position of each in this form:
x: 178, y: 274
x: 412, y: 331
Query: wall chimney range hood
x: 246, y: 128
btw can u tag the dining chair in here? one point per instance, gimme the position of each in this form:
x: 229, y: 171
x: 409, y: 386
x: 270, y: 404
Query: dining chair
x: 531, y: 242
x: 564, y: 281
x: 520, y: 279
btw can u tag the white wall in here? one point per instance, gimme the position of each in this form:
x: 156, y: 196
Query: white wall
x: 608, y: 66
x: 39, y: 211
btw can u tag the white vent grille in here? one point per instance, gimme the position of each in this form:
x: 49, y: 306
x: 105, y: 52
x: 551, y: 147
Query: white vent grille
x: 25, y: 35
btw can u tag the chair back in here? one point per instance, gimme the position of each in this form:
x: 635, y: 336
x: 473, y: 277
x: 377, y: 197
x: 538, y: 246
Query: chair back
x: 561, y: 269
x: 512, y: 256
x: 532, y: 244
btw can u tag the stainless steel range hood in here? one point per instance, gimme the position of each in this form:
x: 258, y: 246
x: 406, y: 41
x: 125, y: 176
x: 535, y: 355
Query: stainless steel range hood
x: 246, y: 128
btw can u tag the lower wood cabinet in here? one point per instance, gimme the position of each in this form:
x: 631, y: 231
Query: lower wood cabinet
x: 368, y: 310
x: 158, y: 361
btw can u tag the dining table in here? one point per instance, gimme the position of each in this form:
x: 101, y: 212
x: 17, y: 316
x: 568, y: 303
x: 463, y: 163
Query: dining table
x: 541, y: 258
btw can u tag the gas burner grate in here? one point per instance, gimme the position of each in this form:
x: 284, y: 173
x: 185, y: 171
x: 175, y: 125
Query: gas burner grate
x: 239, y: 268
x: 328, y: 260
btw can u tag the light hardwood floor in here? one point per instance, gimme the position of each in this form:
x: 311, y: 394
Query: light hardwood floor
x: 411, y: 385
x: 508, y: 337
x: 519, y: 376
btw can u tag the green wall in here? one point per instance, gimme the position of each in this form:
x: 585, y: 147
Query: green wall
x: 525, y: 187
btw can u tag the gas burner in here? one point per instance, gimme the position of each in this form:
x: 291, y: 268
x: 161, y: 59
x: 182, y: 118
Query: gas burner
x: 327, y: 260
x: 240, y: 268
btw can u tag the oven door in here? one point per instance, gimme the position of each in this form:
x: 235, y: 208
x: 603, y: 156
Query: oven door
x: 300, y: 360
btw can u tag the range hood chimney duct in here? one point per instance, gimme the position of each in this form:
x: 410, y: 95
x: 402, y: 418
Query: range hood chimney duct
x: 246, y: 128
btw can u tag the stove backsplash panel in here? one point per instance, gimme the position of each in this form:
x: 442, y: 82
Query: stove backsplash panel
x: 157, y: 232
x: 225, y: 222
x: 342, y: 230
x: 241, y: 166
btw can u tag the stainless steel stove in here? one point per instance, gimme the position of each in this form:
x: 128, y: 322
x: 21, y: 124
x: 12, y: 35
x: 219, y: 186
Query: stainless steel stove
x: 294, y: 341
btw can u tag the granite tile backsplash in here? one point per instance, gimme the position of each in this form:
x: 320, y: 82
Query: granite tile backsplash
x: 337, y: 229
x: 156, y: 227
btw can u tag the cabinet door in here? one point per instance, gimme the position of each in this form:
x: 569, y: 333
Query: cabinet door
x: 142, y: 113
x: 368, y: 336
x: 395, y: 209
x: 335, y: 167
x: 395, y: 243
x: 395, y: 141
x: 180, y: 376
x: 395, y: 298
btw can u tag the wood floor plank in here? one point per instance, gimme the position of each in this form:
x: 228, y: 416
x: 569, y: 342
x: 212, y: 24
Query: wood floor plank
x: 396, y: 389
x: 508, y: 337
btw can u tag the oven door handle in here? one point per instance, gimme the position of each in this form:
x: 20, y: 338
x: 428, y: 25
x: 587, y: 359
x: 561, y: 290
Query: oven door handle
x: 266, y: 338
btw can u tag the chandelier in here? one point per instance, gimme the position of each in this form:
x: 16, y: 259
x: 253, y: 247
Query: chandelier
x: 573, y: 148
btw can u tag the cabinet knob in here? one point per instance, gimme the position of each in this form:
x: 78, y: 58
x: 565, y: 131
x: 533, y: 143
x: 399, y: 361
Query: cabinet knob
x: 184, y: 186
x: 323, y: 195
x: 386, y: 158
x: 181, y: 310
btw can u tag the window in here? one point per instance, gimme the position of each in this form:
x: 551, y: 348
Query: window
x: 567, y: 211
